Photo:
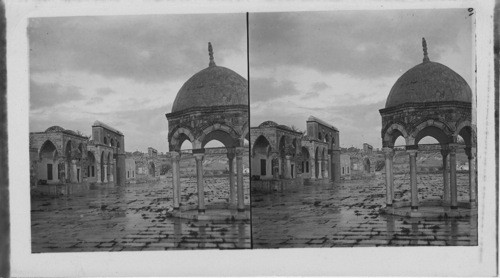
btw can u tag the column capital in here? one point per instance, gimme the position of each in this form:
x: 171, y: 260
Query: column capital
x: 445, y: 150
x: 175, y: 156
x: 231, y: 152
x: 288, y: 157
x: 198, y: 156
x: 388, y: 151
x: 412, y: 152
x: 453, y: 148
x: 239, y: 151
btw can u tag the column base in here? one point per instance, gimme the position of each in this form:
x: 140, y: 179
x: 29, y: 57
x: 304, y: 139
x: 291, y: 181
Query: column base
x: 201, y: 210
x: 414, y: 208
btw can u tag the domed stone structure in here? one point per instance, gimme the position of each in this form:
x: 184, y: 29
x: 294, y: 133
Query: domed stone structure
x: 430, y: 100
x: 55, y: 128
x: 212, y: 87
x: 211, y: 105
x: 429, y: 82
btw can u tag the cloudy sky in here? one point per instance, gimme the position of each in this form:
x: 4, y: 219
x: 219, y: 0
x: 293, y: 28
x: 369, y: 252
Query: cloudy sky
x: 124, y: 70
x: 340, y: 66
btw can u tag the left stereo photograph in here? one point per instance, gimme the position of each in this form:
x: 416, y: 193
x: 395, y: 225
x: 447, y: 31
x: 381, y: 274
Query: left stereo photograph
x: 139, y: 133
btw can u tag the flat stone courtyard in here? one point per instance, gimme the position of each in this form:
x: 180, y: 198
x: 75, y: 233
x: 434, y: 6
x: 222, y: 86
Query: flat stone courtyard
x: 347, y: 214
x: 131, y: 218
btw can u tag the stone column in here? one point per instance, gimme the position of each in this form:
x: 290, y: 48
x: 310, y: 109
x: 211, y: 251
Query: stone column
x: 446, y: 184
x: 453, y: 177
x: 66, y: 171
x: 288, y: 167
x: 239, y: 180
x: 389, y: 181
x: 175, y: 158
x: 320, y: 175
x: 472, y: 175
x: 105, y: 172
x: 201, y: 189
x: 232, y: 191
x: 413, y: 179
x: 112, y: 170
x: 312, y: 168
x: 275, y: 165
x: 98, y: 171
x: 329, y: 167
x: 73, y: 170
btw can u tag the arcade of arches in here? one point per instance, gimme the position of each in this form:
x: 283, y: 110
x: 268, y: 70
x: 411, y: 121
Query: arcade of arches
x: 211, y: 105
x: 60, y: 156
x: 430, y: 100
x: 279, y: 152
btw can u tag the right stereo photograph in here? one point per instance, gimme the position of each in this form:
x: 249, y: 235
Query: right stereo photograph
x: 363, y: 128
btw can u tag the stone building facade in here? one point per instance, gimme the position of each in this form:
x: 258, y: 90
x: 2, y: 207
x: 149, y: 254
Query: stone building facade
x: 345, y: 166
x: 59, y: 156
x: 276, y: 151
x: 367, y: 148
x: 279, y: 152
x: 130, y: 169
x: 152, y: 152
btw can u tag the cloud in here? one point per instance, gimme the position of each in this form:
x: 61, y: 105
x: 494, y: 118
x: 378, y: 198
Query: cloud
x: 265, y: 89
x: 152, y: 48
x: 45, y: 95
x: 366, y: 44
x: 94, y: 100
x: 320, y: 86
x: 105, y: 91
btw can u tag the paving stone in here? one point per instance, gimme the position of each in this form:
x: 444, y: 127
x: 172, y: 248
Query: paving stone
x: 348, y: 215
x: 131, y: 217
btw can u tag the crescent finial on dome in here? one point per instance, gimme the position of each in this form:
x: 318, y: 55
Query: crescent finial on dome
x: 211, y: 55
x: 424, y: 46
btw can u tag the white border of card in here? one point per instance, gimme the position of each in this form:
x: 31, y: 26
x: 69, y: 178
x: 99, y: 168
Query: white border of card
x: 363, y: 261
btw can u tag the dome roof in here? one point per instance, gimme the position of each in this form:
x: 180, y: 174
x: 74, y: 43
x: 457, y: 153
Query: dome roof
x: 213, y: 86
x: 55, y: 128
x: 268, y: 124
x: 71, y: 132
x: 429, y: 82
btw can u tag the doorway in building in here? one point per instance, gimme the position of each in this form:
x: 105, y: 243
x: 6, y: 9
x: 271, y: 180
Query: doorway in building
x: 263, y: 167
x: 49, y: 172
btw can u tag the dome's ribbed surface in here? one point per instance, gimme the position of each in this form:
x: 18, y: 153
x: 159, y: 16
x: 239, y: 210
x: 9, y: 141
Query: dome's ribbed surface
x: 429, y: 82
x: 55, y: 128
x: 213, y: 86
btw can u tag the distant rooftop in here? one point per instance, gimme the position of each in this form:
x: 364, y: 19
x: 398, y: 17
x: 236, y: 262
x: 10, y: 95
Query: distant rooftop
x: 314, y: 119
x: 101, y: 124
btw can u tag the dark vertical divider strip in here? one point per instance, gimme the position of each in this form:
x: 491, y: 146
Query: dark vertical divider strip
x: 4, y: 169
x: 496, y: 46
x: 249, y: 125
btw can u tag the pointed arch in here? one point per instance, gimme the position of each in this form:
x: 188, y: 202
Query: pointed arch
x: 436, y: 129
x: 392, y: 132
x: 220, y: 132
x: 47, y: 147
x: 178, y: 137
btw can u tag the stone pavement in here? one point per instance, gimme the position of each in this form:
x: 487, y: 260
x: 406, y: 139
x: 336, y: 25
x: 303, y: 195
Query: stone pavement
x: 129, y: 218
x: 346, y: 214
